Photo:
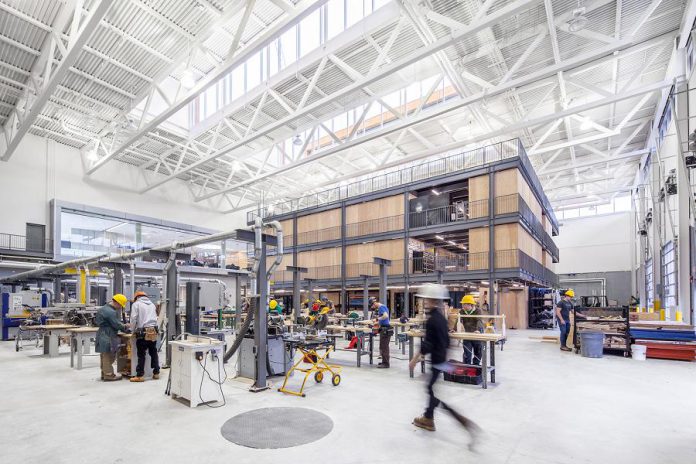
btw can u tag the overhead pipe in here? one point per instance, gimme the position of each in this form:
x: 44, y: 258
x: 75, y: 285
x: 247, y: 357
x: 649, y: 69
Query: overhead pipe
x: 120, y: 256
x: 279, y: 247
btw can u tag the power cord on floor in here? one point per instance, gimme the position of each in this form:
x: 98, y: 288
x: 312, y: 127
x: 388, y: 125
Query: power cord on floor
x: 219, y: 384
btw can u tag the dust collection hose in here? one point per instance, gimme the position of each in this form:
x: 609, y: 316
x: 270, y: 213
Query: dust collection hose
x: 242, y: 331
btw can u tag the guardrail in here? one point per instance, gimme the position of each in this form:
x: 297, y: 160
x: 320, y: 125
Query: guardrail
x: 468, y: 159
x: 514, y: 203
x: 375, y: 226
x: 18, y: 243
x: 462, y: 211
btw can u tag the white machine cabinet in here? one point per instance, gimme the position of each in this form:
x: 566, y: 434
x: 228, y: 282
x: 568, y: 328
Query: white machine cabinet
x: 197, y: 370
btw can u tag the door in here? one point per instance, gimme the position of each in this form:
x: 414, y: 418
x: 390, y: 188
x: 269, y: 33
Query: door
x: 36, y: 237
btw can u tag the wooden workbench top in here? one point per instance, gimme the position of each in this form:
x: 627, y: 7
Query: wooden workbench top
x: 54, y: 327
x: 475, y: 336
x: 340, y: 328
x: 83, y: 330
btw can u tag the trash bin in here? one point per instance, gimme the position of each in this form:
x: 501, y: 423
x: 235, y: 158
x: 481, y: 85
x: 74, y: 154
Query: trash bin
x: 638, y: 352
x: 591, y: 344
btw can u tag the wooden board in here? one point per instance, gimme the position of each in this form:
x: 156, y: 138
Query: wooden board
x: 513, y: 304
x: 478, y: 248
x: 319, y: 258
x: 375, y: 209
x: 317, y: 221
x: 478, y: 193
x: 365, y: 252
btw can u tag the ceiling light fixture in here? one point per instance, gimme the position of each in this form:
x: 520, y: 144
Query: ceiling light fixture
x: 435, y: 192
x: 451, y: 242
x: 439, y: 237
x: 297, y: 141
x: 578, y: 20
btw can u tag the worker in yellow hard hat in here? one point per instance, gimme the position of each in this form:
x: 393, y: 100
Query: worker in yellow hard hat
x: 274, y: 307
x: 563, y: 309
x: 107, y: 335
x: 472, y: 349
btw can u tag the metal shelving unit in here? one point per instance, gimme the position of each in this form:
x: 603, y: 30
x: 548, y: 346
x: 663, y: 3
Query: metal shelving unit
x: 613, y: 321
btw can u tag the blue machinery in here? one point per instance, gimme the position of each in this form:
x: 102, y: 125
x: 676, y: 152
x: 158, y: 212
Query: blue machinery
x: 14, y: 308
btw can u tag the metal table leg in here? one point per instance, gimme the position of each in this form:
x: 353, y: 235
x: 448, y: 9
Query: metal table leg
x: 484, y: 364
x: 73, y: 347
x: 492, y: 354
x: 359, y: 347
x: 372, y: 349
x: 80, y: 348
x: 410, y: 355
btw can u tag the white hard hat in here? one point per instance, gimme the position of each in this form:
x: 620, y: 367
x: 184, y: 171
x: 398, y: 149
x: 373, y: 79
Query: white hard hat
x: 434, y: 292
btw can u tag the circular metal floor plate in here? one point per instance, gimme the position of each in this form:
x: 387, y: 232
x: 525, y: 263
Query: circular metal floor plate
x: 272, y: 428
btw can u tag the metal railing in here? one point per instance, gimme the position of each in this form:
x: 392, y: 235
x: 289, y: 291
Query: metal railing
x: 514, y: 203
x: 462, y: 211
x: 375, y: 226
x: 11, y: 242
x: 468, y: 262
x: 536, y: 184
x: 468, y: 159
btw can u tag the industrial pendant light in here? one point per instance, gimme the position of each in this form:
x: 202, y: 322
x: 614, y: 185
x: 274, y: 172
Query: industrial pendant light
x: 578, y: 20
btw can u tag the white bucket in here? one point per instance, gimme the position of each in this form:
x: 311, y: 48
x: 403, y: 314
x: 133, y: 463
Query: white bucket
x: 638, y: 352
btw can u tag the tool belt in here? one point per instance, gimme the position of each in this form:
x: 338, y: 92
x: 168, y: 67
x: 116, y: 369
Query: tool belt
x: 149, y: 334
x: 386, y: 331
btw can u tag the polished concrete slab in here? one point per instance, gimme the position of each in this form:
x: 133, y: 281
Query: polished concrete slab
x: 547, y: 407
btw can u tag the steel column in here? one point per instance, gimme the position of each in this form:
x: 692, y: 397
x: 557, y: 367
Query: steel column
x: 383, y: 265
x: 407, y: 262
x: 491, y: 237
x: 296, y: 290
x: 260, y: 322
x: 366, y: 295
x: 170, y: 291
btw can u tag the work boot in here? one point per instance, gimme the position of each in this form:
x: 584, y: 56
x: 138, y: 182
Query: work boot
x: 382, y: 366
x: 565, y: 348
x: 111, y: 378
x: 137, y: 379
x: 424, y: 423
x: 155, y: 376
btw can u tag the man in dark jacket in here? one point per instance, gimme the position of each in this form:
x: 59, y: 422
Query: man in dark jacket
x: 436, y: 343
x: 107, y: 335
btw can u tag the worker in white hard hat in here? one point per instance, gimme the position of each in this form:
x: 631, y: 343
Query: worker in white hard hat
x: 435, y: 343
x: 144, y: 325
x: 563, y: 309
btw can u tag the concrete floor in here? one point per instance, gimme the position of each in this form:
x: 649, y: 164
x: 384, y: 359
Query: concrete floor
x: 548, y: 407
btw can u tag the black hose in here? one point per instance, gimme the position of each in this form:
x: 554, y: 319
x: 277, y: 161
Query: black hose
x: 242, y: 331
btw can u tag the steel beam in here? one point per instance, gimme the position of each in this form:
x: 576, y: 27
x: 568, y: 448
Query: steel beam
x: 16, y: 127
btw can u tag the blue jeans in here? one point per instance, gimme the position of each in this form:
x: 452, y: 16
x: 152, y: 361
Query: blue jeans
x: 472, y: 352
x: 565, y: 330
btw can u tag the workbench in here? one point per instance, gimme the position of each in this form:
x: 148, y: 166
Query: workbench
x: 405, y: 327
x: 127, y: 357
x: 487, y: 352
x: 360, y: 333
x: 51, y: 337
x: 80, y: 343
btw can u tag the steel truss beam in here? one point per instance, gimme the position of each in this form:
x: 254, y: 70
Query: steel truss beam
x: 44, y: 79
x: 465, y: 102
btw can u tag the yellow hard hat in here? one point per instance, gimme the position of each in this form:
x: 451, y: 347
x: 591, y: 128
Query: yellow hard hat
x: 120, y: 299
x: 273, y: 304
x: 468, y: 299
x: 570, y: 293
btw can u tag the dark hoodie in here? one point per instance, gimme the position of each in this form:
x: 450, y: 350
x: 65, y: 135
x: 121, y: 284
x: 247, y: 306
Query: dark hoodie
x: 436, y: 339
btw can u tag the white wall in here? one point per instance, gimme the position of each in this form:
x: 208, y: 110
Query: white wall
x: 41, y: 170
x: 595, y: 244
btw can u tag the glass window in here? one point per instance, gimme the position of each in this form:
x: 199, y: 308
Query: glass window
x: 354, y: 12
x: 310, y: 33
x: 274, y: 58
x: 288, y: 48
x: 237, y: 82
x: 380, y: 3
x: 605, y: 209
x: 253, y: 71
x: 570, y: 213
x: 336, y: 17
